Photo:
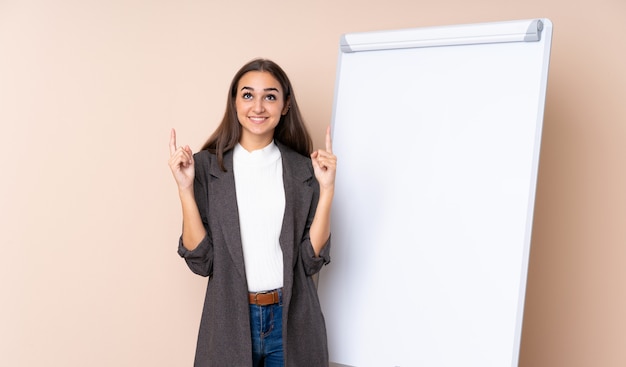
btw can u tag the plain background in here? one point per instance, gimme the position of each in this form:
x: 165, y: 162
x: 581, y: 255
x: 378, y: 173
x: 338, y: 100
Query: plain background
x: 89, y: 90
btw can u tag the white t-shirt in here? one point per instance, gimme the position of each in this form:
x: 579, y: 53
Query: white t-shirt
x: 261, y: 204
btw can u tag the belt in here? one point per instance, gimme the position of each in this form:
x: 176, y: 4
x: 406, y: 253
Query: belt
x: 264, y: 298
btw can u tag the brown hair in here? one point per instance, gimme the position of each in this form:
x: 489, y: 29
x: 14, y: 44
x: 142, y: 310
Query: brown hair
x: 290, y: 131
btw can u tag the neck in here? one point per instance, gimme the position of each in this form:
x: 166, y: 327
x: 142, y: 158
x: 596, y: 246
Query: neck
x: 255, y: 144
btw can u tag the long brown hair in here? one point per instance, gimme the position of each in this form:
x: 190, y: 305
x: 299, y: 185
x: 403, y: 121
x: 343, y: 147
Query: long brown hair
x: 290, y: 131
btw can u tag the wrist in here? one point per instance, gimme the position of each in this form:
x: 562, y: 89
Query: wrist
x: 327, y: 190
x: 185, y: 192
x: 326, y: 197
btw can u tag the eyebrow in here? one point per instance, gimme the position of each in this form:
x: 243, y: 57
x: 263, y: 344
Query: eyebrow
x: 271, y: 89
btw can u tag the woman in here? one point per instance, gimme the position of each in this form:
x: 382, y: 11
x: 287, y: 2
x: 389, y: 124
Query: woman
x: 256, y: 219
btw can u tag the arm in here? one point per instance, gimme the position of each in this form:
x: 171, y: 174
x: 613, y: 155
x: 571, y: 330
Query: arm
x: 324, y: 165
x: 320, y: 228
x: 193, y: 228
x: 183, y: 168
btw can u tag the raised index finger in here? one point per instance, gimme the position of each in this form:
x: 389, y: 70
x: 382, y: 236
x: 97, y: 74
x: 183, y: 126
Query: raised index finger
x: 329, y: 142
x: 173, y: 141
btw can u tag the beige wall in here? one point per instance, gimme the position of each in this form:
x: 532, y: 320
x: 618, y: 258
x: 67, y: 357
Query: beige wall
x: 89, y: 275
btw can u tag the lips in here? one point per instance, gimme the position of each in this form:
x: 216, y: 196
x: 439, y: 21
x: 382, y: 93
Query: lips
x: 257, y: 119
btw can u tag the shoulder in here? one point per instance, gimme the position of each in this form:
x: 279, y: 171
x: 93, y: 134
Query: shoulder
x: 204, y: 160
x: 291, y: 156
x: 296, y: 165
x: 208, y: 162
x: 204, y: 156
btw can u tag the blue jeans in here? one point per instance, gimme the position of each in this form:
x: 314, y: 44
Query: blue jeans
x: 266, y: 325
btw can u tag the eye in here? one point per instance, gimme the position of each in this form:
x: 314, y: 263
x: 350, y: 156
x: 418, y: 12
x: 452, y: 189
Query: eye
x: 270, y: 97
x: 246, y: 95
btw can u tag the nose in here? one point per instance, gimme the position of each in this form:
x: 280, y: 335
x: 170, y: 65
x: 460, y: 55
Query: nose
x: 259, y: 106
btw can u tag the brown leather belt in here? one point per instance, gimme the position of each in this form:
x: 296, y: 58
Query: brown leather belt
x: 264, y: 298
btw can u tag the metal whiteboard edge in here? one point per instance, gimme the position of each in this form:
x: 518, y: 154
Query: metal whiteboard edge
x: 532, y: 33
x: 344, y: 44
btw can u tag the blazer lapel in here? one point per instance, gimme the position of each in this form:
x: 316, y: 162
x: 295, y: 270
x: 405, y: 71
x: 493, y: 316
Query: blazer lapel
x: 298, y: 194
x: 224, y: 197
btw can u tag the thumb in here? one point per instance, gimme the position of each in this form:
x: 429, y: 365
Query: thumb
x: 190, y: 152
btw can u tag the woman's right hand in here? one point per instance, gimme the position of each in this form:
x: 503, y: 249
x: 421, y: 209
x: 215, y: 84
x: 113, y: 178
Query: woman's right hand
x: 182, y: 164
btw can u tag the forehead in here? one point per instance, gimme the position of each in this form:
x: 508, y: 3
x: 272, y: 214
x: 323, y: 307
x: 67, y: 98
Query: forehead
x: 259, y: 80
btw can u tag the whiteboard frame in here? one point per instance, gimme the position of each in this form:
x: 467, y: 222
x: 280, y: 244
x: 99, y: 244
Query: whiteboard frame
x: 532, y: 30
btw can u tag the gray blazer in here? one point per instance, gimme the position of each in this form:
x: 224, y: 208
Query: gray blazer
x: 224, y: 336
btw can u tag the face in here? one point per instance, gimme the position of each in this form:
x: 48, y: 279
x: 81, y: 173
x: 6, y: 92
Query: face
x: 260, y: 103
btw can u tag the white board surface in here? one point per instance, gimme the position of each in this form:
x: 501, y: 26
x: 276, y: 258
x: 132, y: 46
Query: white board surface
x: 437, y: 132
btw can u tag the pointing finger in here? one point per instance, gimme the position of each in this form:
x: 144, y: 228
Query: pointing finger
x: 329, y: 142
x: 173, y: 141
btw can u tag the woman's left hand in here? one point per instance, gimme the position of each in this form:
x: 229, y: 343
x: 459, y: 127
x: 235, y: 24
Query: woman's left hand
x: 325, y: 164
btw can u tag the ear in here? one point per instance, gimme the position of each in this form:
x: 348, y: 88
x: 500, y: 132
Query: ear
x: 286, y: 107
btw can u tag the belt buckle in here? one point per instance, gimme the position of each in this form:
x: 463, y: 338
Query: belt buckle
x: 273, y: 293
x: 256, y: 295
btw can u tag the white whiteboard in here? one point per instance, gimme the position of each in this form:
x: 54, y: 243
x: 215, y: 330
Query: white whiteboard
x: 437, y: 132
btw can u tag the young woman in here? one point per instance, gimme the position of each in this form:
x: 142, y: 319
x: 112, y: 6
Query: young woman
x: 256, y: 204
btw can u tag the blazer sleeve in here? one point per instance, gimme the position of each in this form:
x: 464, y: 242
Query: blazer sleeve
x: 313, y: 264
x: 200, y: 259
